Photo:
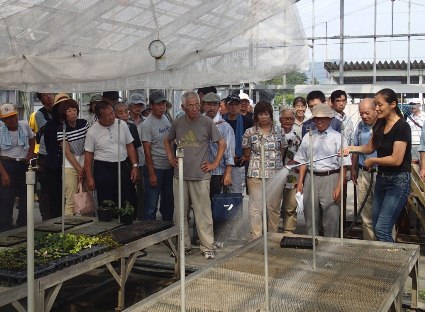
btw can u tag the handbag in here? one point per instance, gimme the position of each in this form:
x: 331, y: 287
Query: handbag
x: 83, y: 201
x: 225, y: 206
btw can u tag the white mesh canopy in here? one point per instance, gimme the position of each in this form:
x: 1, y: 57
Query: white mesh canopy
x: 92, y: 45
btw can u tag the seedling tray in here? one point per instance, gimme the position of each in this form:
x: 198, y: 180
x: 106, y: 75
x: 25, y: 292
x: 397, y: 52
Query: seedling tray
x: 11, y: 240
x: 139, y: 229
x: 52, y: 228
x: 297, y: 242
x: 74, y: 221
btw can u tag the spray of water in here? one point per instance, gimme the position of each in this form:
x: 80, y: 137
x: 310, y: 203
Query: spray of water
x: 239, y: 228
x: 276, y: 183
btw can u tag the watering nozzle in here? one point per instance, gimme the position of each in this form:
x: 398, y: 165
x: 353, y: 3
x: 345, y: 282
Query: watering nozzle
x: 32, y: 164
x: 291, y: 167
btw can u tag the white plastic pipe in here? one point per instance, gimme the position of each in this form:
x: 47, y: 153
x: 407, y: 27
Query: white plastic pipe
x: 313, y: 217
x: 341, y: 181
x: 266, y: 253
x: 30, y: 181
x: 63, y: 175
x: 180, y: 155
x: 119, y: 168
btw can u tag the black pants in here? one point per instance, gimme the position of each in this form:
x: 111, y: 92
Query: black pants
x: 43, y: 188
x: 16, y: 171
x: 106, y: 179
x: 54, y: 186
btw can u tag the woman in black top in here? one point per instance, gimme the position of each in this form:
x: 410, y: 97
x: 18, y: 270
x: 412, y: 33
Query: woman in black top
x: 392, y: 140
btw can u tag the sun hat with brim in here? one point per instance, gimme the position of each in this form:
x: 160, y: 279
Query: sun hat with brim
x: 60, y: 98
x: 7, y: 110
x: 211, y: 98
x: 322, y: 110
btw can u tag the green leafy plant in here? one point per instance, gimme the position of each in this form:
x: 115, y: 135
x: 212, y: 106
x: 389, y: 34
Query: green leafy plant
x: 50, y: 247
x: 108, y: 204
x: 126, y: 210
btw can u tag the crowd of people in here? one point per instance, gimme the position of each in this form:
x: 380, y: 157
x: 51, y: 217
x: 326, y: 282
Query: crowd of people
x: 222, y: 141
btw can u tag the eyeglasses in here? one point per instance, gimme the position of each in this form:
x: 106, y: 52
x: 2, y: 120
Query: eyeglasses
x: 287, y: 118
x: 193, y: 106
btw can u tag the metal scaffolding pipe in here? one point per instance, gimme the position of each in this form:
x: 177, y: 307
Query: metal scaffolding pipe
x: 63, y: 175
x: 180, y: 156
x: 341, y: 42
x: 341, y: 181
x: 313, y: 217
x: 30, y: 181
x: 119, y: 168
x: 266, y: 252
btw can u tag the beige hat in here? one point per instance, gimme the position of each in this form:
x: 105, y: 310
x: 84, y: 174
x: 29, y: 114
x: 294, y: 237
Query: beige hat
x: 60, y: 97
x: 7, y: 110
x: 322, y: 110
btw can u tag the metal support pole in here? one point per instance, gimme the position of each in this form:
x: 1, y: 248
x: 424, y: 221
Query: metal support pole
x: 312, y: 44
x: 63, y: 175
x: 341, y: 180
x: 341, y: 42
x: 180, y: 155
x: 30, y: 181
x: 119, y: 167
x: 374, y: 43
x: 313, y: 217
x: 408, y: 44
x: 266, y: 252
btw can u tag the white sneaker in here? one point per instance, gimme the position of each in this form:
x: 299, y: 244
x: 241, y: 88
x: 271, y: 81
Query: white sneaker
x: 208, y: 254
x: 219, y: 244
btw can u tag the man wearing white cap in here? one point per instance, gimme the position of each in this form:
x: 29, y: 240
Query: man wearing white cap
x: 16, y: 149
x: 327, y: 195
x: 245, y: 104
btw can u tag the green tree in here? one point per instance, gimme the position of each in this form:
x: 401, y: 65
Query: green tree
x: 292, y: 79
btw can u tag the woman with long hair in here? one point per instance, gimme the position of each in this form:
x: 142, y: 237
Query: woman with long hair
x: 263, y: 128
x: 392, y: 141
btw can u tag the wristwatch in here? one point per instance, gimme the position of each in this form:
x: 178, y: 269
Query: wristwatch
x: 135, y: 165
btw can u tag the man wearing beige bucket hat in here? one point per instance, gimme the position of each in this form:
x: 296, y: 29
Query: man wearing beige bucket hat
x: 326, y: 142
x: 16, y: 148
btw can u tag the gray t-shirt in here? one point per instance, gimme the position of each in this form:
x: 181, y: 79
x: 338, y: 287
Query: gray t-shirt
x: 154, y: 131
x: 194, y: 137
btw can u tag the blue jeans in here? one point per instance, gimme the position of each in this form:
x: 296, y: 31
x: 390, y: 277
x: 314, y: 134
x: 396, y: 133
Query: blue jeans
x: 164, y: 189
x: 391, y: 192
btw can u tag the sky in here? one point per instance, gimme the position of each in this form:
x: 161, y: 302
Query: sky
x: 359, y: 21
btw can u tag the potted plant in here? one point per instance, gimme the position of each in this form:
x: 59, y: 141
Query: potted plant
x: 126, y: 213
x: 106, y: 210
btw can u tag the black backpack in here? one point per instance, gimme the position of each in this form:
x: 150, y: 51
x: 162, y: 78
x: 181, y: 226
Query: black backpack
x: 40, y: 131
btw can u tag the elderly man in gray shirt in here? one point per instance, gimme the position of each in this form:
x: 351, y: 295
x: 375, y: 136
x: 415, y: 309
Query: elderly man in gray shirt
x: 194, y: 131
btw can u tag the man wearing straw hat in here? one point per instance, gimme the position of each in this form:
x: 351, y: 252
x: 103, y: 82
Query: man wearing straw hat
x: 16, y: 148
x: 326, y: 172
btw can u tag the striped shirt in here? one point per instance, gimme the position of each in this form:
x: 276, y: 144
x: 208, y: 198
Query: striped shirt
x: 76, y: 138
